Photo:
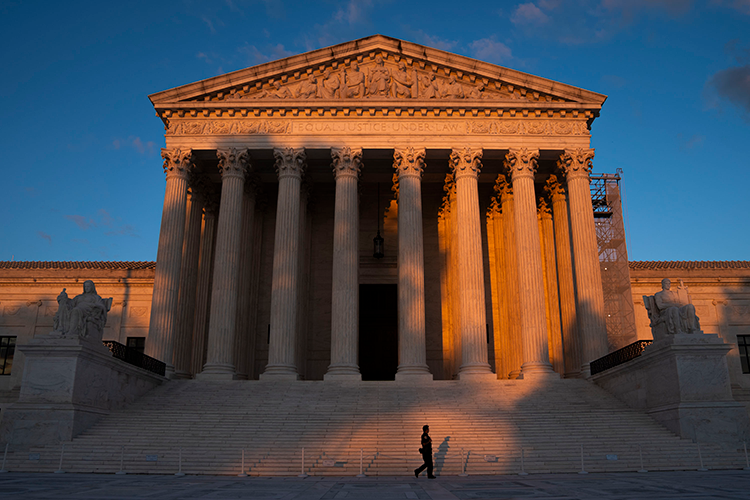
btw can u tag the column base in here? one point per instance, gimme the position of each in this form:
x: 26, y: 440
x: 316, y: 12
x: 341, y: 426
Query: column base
x: 338, y: 373
x: 538, y: 370
x: 216, y: 371
x: 280, y: 372
x: 477, y: 371
x: 181, y: 375
x: 414, y: 375
x: 514, y: 374
x: 477, y: 377
x: 586, y: 371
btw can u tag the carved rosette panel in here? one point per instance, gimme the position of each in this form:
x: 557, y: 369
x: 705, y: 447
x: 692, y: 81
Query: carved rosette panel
x: 290, y: 162
x: 233, y: 162
x: 553, y: 188
x: 346, y: 161
x: 576, y: 162
x: 177, y: 162
x: 409, y: 161
x: 466, y: 162
x: 543, y: 209
x: 522, y: 162
x: 527, y: 127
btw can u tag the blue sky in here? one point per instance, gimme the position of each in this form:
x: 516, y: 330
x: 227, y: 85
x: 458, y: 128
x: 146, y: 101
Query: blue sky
x: 82, y: 176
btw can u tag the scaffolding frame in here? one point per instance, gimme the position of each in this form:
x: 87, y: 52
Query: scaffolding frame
x: 619, y: 310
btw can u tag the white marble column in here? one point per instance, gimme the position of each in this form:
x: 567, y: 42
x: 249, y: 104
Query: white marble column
x: 245, y: 315
x: 466, y: 164
x: 576, y: 164
x: 522, y: 165
x: 160, y: 341
x: 554, y: 330
x: 188, y: 282
x: 566, y: 280
x: 290, y: 164
x: 345, y: 284
x: 412, y: 350
x: 203, y: 287
x: 233, y: 165
x: 513, y: 307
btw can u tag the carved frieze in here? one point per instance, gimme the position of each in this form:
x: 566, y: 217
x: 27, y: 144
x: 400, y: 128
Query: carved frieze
x: 228, y: 127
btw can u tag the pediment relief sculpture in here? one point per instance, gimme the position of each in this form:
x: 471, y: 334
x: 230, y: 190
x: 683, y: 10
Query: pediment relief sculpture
x: 386, y: 76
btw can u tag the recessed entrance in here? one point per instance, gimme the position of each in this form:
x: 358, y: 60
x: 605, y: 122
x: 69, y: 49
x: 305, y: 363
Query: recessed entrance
x: 378, y: 331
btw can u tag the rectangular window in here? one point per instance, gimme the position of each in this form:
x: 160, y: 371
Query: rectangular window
x: 743, y: 342
x: 137, y: 343
x: 7, y: 349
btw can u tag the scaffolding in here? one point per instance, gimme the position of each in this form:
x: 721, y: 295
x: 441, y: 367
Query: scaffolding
x: 613, y: 259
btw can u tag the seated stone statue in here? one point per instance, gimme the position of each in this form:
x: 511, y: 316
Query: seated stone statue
x: 83, y: 316
x: 671, y: 312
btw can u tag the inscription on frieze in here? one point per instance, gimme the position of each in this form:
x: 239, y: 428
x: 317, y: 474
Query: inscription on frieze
x: 378, y: 126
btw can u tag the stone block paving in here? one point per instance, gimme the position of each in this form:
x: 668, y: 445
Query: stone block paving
x: 621, y: 486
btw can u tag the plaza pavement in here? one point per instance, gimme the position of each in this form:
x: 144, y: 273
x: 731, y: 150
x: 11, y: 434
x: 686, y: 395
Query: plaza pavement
x: 648, y: 486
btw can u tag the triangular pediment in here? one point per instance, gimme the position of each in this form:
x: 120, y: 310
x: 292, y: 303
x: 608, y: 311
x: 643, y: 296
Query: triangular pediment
x: 378, y: 69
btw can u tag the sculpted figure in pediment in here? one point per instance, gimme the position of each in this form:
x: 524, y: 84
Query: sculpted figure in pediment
x: 402, y: 81
x: 453, y: 89
x: 308, y: 88
x: 379, y: 79
x: 354, y: 85
x: 329, y: 86
x: 429, y: 87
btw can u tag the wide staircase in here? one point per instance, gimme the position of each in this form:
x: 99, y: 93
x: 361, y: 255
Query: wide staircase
x: 499, y: 427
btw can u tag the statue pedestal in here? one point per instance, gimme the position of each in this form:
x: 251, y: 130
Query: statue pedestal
x: 68, y: 384
x: 682, y: 381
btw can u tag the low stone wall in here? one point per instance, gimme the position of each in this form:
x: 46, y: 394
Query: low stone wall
x: 683, y: 383
x: 69, y: 384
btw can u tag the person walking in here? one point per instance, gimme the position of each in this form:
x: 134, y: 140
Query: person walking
x: 426, y: 451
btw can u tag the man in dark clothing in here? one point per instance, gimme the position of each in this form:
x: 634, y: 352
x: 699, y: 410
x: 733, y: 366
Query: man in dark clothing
x: 426, y: 451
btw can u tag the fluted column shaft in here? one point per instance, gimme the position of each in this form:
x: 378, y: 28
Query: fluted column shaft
x: 566, y: 280
x: 203, y: 288
x: 223, y: 319
x: 160, y: 343
x: 554, y: 330
x: 513, y: 306
x: 503, y: 339
x: 188, y: 282
x: 281, y: 350
x: 245, y: 315
x: 466, y: 164
x: 522, y: 166
x: 412, y: 350
x: 345, y: 284
x: 576, y: 164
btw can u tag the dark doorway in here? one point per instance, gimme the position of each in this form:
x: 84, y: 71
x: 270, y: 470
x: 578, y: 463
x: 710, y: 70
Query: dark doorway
x: 378, y: 331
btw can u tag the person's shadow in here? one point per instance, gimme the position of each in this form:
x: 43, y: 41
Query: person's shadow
x: 442, y: 451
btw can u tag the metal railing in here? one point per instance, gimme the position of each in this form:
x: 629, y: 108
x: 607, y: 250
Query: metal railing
x: 619, y: 356
x: 135, y: 357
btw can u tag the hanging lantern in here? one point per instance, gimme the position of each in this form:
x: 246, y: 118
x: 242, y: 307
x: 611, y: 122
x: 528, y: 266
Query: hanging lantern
x: 378, y: 246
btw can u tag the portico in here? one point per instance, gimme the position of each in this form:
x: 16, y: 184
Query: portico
x: 280, y: 175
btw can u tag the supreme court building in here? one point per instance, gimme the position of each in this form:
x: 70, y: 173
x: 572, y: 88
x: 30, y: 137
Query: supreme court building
x: 377, y: 209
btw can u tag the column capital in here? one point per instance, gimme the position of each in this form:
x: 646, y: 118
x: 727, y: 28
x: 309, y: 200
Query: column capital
x: 233, y: 162
x: 177, y: 162
x: 409, y: 161
x: 542, y: 210
x: 575, y: 163
x: 522, y: 162
x: 554, y: 189
x: 466, y: 162
x: 346, y: 162
x: 290, y: 162
x: 502, y: 187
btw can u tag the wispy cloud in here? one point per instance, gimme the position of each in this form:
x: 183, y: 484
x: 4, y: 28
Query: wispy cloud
x: 731, y: 85
x: 45, y: 236
x: 136, y: 143
x: 694, y: 141
x: 353, y: 12
x: 434, y: 41
x: 252, y: 55
x: 82, y: 222
x: 491, y: 50
x: 528, y: 13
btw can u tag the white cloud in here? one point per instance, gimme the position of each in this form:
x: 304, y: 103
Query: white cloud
x: 528, y: 13
x: 489, y: 49
x: 45, y: 236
